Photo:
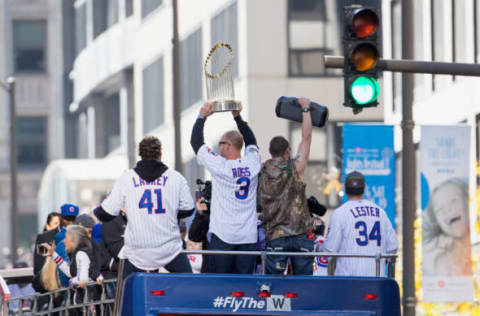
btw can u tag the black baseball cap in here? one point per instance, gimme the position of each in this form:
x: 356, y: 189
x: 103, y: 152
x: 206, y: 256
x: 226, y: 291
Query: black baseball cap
x: 354, y: 183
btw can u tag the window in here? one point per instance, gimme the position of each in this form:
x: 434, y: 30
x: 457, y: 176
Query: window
x: 193, y: 171
x: 112, y: 123
x: 314, y: 30
x: 128, y: 7
x: 29, y: 40
x: 80, y: 28
x: 224, y: 29
x: 112, y: 12
x: 99, y: 17
x: 153, y: 95
x: 31, y: 142
x: 191, y: 69
x: 149, y: 6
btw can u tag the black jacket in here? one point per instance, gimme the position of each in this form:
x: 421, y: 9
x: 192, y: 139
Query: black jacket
x: 198, y: 233
x: 39, y: 260
x: 112, y: 238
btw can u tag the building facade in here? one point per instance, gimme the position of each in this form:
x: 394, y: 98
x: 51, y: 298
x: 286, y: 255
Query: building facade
x: 31, y: 33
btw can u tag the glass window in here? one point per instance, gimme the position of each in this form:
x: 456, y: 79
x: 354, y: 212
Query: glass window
x: 31, y: 141
x: 29, y: 40
x: 193, y: 171
x: 112, y: 12
x: 224, y: 29
x: 112, y: 123
x: 150, y: 5
x: 128, y: 7
x: 80, y: 28
x: 99, y: 17
x: 153, y: 95
x: 191, y: 70
x: 314, y: 30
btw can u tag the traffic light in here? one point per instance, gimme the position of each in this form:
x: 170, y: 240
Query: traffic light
x: 361, y: 55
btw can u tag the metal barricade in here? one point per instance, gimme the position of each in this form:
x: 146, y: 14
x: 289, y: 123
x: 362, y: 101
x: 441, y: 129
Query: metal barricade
x: 61, y: 301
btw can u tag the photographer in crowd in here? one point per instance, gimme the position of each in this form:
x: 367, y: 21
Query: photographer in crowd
x: 233, y: 218
x: 199, y: 228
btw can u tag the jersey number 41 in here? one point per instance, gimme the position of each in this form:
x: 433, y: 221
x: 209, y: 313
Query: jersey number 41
x: 147, y: 202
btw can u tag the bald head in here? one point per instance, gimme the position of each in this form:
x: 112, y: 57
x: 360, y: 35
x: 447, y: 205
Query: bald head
x: 235, y: 138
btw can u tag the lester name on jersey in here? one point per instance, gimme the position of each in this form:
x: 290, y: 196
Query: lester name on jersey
x: 360, y: 227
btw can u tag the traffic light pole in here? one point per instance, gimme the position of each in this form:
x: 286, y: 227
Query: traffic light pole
x: 409, y: 203
x: 414, y: 66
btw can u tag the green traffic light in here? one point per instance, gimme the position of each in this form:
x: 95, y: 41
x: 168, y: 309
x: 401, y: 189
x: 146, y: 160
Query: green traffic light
x: 364, y: 90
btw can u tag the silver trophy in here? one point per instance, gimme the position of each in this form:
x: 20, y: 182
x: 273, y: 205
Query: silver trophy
x: 219, y: 78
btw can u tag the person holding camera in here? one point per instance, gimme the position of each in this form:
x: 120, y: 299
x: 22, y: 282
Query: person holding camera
x: 281, y: 194
x: 233, y: 218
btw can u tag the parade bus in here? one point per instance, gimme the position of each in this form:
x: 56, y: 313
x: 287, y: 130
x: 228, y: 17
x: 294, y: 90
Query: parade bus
x: 225, y: 294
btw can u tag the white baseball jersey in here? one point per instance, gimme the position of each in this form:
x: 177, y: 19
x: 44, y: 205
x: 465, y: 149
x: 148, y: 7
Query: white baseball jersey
x: 320, y: 264
x: 152, y: 235
x: 233, y: 216
x: 360, y: 227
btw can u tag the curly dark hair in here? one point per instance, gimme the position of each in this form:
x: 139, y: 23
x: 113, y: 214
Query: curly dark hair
x: 150, y: 148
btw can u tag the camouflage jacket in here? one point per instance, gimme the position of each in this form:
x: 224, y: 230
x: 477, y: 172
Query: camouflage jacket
x: 281, y: 197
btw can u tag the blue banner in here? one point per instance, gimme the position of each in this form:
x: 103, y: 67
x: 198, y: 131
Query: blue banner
x: 369, y: 149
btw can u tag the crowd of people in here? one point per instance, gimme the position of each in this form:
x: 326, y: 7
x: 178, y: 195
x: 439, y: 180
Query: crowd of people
x: 252, y: 206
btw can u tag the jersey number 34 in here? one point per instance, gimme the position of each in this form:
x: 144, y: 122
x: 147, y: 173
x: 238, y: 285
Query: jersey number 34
x: 147, y: 202
x: 364, y: 237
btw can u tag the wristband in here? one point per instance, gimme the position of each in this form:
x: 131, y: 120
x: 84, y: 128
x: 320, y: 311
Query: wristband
x: 307, y: 109
x: 201, y: 116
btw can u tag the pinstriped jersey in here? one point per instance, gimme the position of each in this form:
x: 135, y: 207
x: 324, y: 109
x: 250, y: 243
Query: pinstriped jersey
x: 233, y: 215
x: 360, y: 227
x: 152, y: 236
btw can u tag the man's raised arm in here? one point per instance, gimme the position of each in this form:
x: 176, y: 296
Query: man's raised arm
x: 244, y: 129
x: 196, y: 140
x: 304, y: 147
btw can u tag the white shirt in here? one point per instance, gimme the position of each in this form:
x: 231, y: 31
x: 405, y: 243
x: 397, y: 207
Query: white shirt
x: 320, y: 264
x: 152, y: 235
x: 360, y: 227
x: 233, y: 215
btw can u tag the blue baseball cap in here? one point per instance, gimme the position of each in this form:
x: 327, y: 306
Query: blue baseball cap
x: 69, y: 210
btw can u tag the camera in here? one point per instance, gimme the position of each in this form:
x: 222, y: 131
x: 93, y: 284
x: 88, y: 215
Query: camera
x: 315, y: 207
x: 204, y: 190
x: 42, y: 250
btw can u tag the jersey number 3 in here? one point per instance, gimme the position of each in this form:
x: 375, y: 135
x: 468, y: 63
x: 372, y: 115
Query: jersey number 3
x: 242, y: 192
x: 363, y: 237
x: 146, y: 201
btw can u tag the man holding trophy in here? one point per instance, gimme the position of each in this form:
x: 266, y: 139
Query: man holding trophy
x: 233, y: 219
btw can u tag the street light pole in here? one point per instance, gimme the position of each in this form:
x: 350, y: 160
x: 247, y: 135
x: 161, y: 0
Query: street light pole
x: 176, y: 90
x: 13, y: 169
x: 408, y: 167
x: 10, y: 88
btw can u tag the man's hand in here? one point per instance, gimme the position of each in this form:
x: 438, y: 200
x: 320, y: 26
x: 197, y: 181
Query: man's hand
x: 236, y: 113
x: 201, y: 205
x: 304, y: 102
x: 207, y: 109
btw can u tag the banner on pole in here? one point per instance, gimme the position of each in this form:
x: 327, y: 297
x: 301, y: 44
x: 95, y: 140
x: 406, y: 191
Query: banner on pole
x: 369, y: 149
x: 446, y: 246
